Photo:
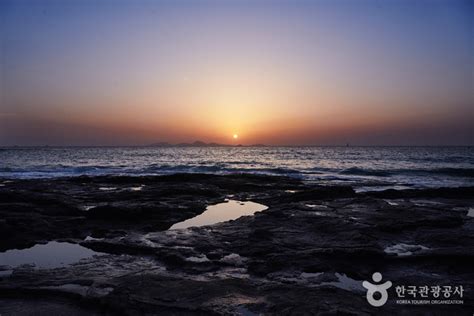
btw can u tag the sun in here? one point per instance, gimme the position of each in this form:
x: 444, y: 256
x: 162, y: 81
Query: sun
x: 235, y: 136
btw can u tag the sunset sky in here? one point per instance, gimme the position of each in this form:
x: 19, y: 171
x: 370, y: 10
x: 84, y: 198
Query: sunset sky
x: 274, y: 72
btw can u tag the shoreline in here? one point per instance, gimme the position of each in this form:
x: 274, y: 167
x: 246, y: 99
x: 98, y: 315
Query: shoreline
x: 308, y: 252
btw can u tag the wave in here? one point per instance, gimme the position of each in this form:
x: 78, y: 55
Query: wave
x: 217, y: 168
x: 366, y: 172
x: 456, y: 172
x: 65, y: 171
x: 453, y: 172
x: 51, y: 171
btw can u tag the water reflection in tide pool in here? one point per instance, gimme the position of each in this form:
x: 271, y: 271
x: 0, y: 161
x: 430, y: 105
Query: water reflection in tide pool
x: 221, y: 212
x: 51, y: 255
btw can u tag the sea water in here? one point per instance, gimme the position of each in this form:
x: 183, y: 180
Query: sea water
x: 361, y: 167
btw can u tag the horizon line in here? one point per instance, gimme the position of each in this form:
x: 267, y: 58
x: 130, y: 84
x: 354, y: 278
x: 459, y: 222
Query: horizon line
x: 224, y: 145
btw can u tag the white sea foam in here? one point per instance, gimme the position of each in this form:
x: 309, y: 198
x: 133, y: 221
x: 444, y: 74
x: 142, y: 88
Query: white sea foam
x: 404, y: 249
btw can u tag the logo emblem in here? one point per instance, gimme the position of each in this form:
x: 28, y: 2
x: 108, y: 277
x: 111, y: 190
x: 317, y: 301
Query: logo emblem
x: 377, y: 288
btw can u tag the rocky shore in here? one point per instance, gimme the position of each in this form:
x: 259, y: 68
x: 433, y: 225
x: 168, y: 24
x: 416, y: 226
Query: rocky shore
x: 308, y: 253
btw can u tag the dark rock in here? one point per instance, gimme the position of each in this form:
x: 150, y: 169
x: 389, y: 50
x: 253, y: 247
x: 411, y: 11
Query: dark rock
x: 307, y: 254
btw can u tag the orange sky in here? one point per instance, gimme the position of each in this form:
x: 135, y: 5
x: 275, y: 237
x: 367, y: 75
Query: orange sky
x: 276, y: 72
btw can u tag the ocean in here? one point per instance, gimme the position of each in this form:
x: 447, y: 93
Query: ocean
x: 364, y: 168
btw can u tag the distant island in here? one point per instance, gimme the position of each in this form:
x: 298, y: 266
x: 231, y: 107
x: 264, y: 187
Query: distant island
x: 201, y: 144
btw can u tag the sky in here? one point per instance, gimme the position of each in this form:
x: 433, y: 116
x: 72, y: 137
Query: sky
x: 327, y: 72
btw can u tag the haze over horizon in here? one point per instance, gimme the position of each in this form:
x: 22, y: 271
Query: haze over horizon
x: 273, y: 72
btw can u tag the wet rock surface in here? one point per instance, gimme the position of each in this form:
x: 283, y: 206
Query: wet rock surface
x: 308, y: 253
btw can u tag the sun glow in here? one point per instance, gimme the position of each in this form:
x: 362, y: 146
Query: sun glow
x: 235, y: 136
